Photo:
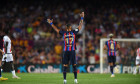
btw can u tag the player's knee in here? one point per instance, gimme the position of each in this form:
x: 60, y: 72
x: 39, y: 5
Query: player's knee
x: 74, y: 68
x: 65, y: 65
x: 74, y: 64
x: 111, y: 64
x: 65, y: 68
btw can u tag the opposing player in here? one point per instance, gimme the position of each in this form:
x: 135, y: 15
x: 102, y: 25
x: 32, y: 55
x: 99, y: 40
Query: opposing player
x: 2, y: 78
x: 137, y: 62
x: 111, y: 46
x: 69, y: 46
x: 8, y: 57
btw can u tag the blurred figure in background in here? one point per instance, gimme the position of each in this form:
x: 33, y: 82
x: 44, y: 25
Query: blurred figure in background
x: 137, y: 62
x: 111, y: 46
x: 7, y: 56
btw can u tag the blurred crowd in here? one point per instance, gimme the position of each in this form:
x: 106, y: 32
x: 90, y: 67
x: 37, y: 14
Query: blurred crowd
x: 34, y: 40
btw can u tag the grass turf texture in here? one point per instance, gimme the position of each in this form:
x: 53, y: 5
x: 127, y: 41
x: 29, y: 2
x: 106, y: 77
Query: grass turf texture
x: 83, y: 78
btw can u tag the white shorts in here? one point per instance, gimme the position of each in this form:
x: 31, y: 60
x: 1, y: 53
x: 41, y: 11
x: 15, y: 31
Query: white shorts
x: 9, y: 58
x: 137, y: 60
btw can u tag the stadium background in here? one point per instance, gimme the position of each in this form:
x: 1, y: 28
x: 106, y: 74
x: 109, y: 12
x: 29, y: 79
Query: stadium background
x: 36, y: 43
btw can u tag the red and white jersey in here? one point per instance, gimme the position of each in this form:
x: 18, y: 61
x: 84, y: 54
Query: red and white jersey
x: 7, y: 39
x: 138, y: 52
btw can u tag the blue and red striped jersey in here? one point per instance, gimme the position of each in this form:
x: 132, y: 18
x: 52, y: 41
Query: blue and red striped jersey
x: 111, y: 45
x: 69, y: 39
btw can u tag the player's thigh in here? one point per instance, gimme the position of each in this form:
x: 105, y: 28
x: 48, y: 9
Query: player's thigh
x: 65, y: 59
x: 114, y: 59
x: 9, y: 57
x: 109, y: 59
x: 73, y: 58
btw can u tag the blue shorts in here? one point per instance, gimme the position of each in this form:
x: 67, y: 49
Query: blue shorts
x: 69, y: 57
x: 111, y: 59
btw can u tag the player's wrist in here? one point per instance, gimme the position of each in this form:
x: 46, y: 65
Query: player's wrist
x: 82, y: 18
x: 51, y: 23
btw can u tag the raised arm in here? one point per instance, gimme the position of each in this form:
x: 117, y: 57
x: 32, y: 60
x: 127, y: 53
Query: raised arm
x: 1, y: 51
x: 81, y: 21
x: 53, y: 26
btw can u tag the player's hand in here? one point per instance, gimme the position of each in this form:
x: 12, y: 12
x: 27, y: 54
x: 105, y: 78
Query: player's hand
x: 82, y: 14
x: 49, y: 21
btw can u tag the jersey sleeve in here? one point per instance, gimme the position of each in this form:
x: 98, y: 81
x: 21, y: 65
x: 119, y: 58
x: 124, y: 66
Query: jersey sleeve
x: 5, y: 39
x: 61, y: 32
x: 76, y: 31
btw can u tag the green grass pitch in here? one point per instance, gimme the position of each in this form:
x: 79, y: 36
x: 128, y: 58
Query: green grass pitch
x: 83, y: 78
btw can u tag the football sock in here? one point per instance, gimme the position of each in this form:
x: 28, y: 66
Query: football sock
x: 136, y: 69
x: 13, y: 73
x: 111, y: 69
x: 114, y: 65
x: 64, y: 72
x: 0, y: 71
x: 75, y: 72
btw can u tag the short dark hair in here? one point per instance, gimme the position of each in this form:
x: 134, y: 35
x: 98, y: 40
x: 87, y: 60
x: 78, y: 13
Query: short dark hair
x: 68, y: 25
x: 111, y: 35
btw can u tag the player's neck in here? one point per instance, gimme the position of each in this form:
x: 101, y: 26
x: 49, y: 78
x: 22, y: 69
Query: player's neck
x: 68, y: 29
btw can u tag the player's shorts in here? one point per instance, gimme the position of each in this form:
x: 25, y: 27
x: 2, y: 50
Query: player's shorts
x: 9, y: 58
x: 69, y: 57
x: 111, y: 59
x: 137, y: 60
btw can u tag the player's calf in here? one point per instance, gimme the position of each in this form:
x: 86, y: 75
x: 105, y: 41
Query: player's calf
x: 65, y: 72
x: 75, y: 73
x: 13, y: 71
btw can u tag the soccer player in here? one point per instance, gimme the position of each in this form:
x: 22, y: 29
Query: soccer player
x: 111, y: 46
x: 137, y: 62
x: 2, y: 78
x: 8, y: 57
x: 69, y: 46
